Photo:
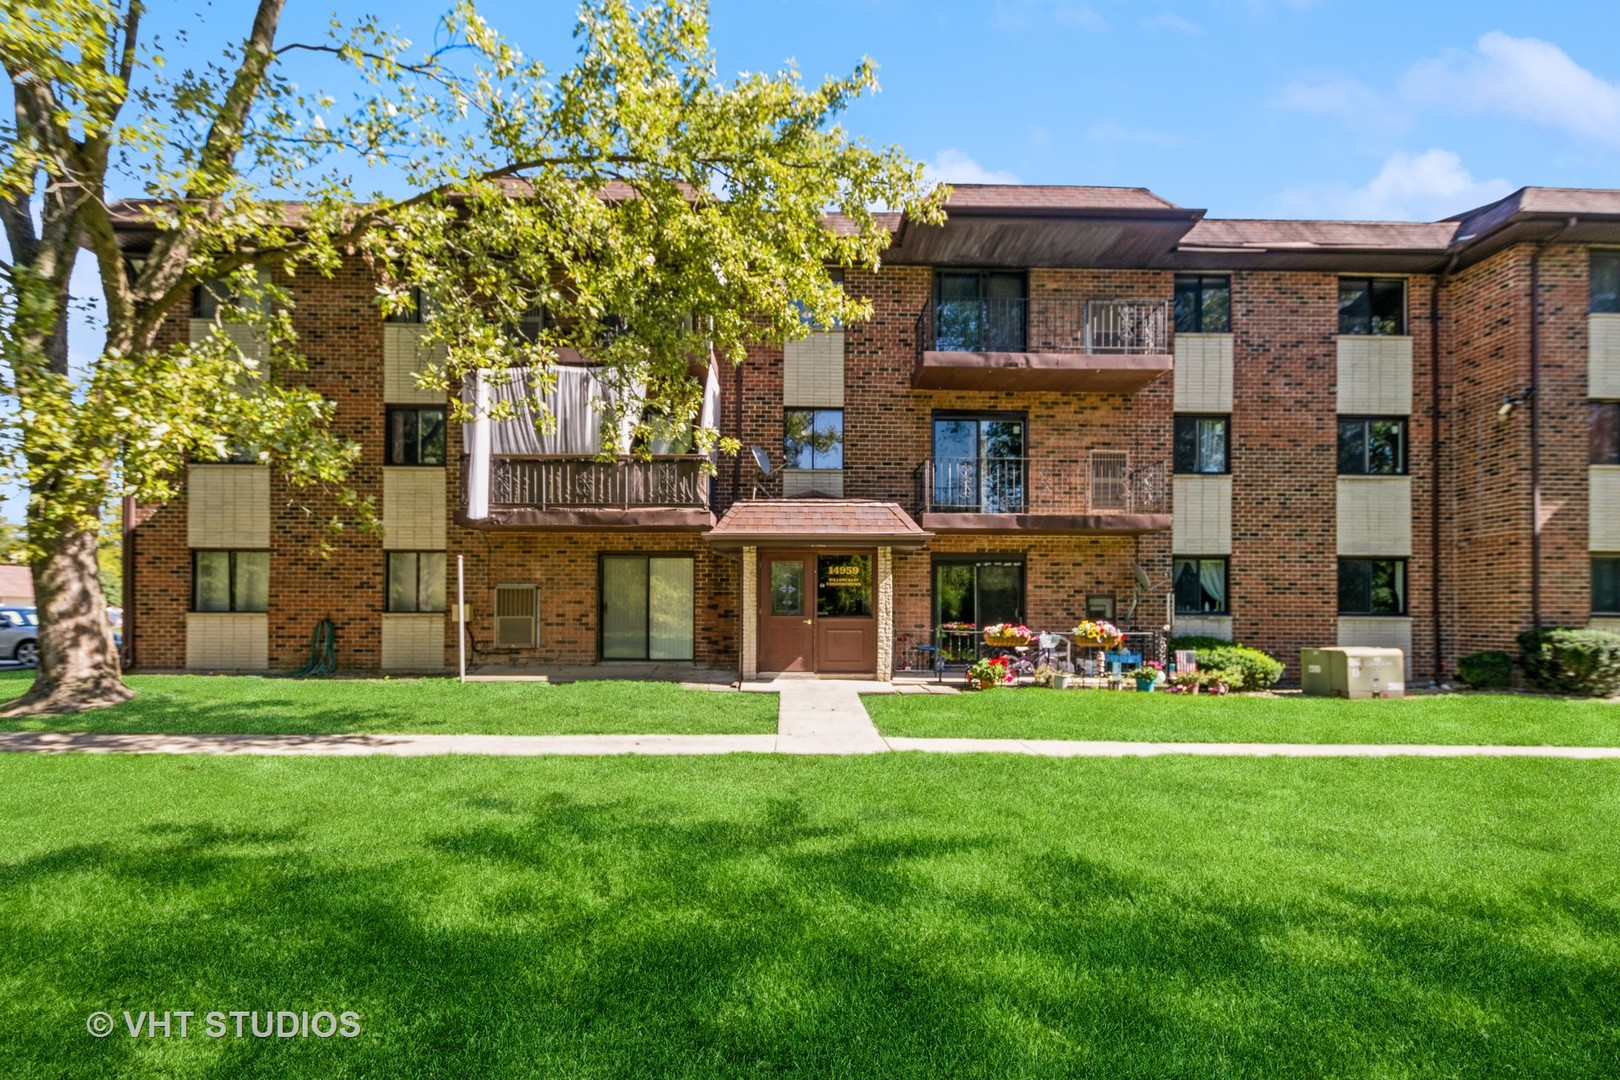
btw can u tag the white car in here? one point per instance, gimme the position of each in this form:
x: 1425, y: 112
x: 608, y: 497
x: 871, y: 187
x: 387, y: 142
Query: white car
x: 19, y: 635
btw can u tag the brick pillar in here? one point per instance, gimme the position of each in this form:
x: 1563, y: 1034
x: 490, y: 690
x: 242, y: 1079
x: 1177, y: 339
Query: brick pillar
x: 885, y: 614
x: 750, y: 613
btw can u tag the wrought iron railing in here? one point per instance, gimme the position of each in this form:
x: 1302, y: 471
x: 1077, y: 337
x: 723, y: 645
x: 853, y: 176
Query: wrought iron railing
x: 549, y: 483
x: 1019, y: 324
x: 1101, y: 481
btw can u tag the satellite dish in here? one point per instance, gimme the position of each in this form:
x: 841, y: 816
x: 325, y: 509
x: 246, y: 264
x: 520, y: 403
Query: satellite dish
x: 761, y: 460
x: 1143, y: 582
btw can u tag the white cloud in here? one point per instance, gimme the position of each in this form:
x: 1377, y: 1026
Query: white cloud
x: 1410, y: 187
x: 956, y: 167
x: 1169, y: 20
x: 1523, y: 77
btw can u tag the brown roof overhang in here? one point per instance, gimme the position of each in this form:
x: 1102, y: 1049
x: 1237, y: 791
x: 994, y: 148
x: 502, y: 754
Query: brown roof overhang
x: 816, y: 523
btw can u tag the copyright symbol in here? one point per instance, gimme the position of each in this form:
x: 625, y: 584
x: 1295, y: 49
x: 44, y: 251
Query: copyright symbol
x: 99, y: 1024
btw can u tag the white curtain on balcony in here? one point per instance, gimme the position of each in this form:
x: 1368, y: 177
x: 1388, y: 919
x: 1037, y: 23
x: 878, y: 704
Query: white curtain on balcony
x: 576, y: 404
x: 708, y: 416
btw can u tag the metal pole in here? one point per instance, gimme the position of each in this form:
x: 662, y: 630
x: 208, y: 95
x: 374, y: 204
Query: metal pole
x: 461, y: 616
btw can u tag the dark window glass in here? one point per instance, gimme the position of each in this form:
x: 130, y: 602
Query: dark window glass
x: 1606, y: 281
x: 416, y: 313
x: 416, y: 436
x: 1372, y: 306
x: 1201, y: 444
x: 844, y: 586
x: 230, y: 581
x: 1203, y: 304
x: 1605, y: 432
x: 1200, y: 586
x: 416, y: 581
x: 1372, y: 586
x: 979, y: 464
x: 1606, y: 585
x: 976, y: 593
x: 529, y: 326
x: 815, y: 438
x: 979, y: 311
x: 1372, y: 447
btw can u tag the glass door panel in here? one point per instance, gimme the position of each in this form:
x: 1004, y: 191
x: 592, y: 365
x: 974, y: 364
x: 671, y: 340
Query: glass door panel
x: 624, y: 607
x: 669, y: 609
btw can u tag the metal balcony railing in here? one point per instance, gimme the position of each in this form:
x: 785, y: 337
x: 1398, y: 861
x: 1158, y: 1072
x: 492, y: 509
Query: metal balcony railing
x: 553, y: 483
x: 1099, y: 482
x: 1046, y: 325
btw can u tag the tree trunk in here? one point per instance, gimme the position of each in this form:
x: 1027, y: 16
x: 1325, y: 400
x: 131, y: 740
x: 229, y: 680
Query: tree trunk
x: 78, y: 666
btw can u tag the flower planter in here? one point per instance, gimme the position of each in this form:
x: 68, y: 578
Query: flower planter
x: 1060, y: 680
x: 1007, y: 642
x: 1145, y: 686
x: 986, y: 684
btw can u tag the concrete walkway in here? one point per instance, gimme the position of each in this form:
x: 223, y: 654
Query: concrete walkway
x: 815, y: 716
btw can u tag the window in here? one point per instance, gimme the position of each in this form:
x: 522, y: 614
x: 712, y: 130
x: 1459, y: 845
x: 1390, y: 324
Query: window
x: 1372, y: 306
x: 1100, y: 607
x: 1201, y: 444
x: 647, y: 607
x: 836, y: 276
x: 1200, y: 585
x: 978, y: 591
x: 979, y: 463
x: 1606, y: 585
x: 815, y: 438
x: 208, y: 298
x: 529, y: 325
x: 844, y: 586
x: 415, y: 581
x: 1371, y: 447
x: 416, y: 435
x: 1605, y: 432
x: 1203, y: 304
x: 1372, y: 586
x: 230, y: 581
x: 1606, y: 281
x: 418, y: 311
x: 979, y: 311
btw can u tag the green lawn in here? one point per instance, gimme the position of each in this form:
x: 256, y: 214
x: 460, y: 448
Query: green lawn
x: 202, y: 704
x: 900, y: 916
x: 1034, y: 713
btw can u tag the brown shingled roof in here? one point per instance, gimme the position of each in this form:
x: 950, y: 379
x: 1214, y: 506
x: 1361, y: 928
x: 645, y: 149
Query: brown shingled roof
x: 817, y: 521
x: 1305, y: 235
x: 1052, y: 197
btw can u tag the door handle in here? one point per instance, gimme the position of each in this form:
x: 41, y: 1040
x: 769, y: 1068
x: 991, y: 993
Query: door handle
x: 809, y: 622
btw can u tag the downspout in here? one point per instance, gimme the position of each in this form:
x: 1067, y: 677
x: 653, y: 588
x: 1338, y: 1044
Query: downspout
x: 736, y: 468
x: 1435, y: 590
x: 1535, y: 419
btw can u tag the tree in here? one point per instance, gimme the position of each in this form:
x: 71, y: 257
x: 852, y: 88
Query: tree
x: 636, y: 192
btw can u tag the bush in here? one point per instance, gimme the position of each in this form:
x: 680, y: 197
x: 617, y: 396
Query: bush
x: 1245, y: 668
x: 1571, y: 661
x: 1486, y: 670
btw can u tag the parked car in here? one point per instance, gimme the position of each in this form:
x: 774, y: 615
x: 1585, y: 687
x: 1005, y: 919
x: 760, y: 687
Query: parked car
x: 19, y: 635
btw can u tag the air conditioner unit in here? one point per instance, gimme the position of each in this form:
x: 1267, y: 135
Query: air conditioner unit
x: 517, y: 610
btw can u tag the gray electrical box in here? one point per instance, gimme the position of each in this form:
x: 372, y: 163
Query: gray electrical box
x: 1353, y: 671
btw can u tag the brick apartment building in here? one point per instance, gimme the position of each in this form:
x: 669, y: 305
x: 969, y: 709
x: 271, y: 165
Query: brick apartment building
x: 1069, y: 401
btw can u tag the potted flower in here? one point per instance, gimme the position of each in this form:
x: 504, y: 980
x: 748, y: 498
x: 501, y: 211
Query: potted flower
x: 1185, y: 682
x: 1098, y: 634
x: 1149, y: 675
x: 991, y: 672
x: 1007, y: 635
x: 1214, y: 681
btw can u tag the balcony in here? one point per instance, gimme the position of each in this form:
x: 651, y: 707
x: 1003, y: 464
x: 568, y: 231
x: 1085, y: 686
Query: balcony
x: 1099, y: 346
x: 553, y: 492
x: 1097, y: 493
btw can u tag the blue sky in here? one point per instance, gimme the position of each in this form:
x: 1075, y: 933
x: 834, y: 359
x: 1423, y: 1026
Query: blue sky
x: 1247, y: 108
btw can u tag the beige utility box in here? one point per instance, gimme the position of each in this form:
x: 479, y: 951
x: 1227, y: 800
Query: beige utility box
x: 1353, y: 671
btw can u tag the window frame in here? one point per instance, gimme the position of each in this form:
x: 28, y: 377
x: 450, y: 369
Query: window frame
x: 388, y: 577
x: 790, y: 461
x: 418, y: 312
x: 1614, y: 561
x: 1597, y: 455
x: 1366, y: 422
x: 1401, y: 562
x: 1199, y: 283
x: 646, y: 557
x: 1226, y: 444
x: 977, y: 559
x: 1370, y: 280
x: 231, y: 607
x: 388, y: 436
x: 1607, y: 255
x: 1226, y: 583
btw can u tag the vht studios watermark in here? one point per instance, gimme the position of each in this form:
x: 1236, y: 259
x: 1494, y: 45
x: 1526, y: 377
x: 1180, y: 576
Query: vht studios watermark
x: 219, y: 1024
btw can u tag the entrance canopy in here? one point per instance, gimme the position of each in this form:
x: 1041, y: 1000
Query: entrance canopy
x: 818, y: 523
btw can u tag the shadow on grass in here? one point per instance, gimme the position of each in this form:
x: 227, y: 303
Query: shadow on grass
x: 561, y: 934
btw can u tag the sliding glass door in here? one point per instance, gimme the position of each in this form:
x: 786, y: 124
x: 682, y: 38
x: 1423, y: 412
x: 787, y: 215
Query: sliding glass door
x: 979, y: 464
x: 647, y: 605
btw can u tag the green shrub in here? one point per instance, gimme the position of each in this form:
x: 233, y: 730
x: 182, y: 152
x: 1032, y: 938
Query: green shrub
x: 1486, y: 670
x: 1571, y: 661
x: 1248, y: 669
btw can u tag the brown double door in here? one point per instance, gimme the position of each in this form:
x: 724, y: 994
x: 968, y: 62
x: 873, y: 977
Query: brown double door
x: 815, y: 612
